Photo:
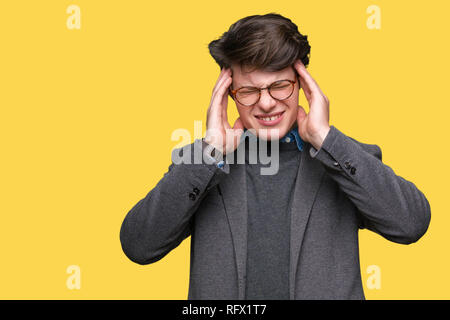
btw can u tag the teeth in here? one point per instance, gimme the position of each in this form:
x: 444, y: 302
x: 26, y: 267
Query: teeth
x: 271, y: 118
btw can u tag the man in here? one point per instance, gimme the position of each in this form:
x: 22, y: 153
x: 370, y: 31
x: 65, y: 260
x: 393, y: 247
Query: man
x: 288, y: 235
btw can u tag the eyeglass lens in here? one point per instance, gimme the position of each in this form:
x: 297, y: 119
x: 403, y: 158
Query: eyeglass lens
x: 280, y: 90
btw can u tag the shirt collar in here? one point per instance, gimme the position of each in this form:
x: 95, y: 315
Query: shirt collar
x: 293, y: 135
x: 290, y: 136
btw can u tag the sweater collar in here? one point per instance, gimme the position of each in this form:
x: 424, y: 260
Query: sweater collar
x: 291, y: 136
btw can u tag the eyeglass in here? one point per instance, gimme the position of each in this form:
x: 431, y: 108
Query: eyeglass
x: 279, y: 90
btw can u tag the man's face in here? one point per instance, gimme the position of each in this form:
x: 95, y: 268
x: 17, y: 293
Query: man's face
x: 251, y: 116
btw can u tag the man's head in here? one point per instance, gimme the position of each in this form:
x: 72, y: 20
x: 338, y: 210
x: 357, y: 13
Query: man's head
x: 261, y: 50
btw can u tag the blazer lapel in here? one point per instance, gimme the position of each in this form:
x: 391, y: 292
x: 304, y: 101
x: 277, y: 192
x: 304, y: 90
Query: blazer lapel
x: 309, y: 177
x: 234, y: 193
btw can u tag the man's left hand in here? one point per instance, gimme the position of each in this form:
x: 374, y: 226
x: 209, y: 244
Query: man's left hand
x: 314, y: 126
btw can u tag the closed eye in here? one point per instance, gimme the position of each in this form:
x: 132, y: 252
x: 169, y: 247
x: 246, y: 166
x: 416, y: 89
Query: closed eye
x: 280, y: 84
x: 248, y: 90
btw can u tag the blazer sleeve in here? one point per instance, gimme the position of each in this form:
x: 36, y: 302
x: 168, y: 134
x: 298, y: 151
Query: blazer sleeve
x: 387, y: 204
x: 163, y: 219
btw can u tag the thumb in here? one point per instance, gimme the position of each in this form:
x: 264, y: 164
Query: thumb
x: 238, y: 130
x: 301, y: 115
x: 238, y: 124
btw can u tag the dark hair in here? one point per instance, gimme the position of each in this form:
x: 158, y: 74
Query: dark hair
x: 268, y: 42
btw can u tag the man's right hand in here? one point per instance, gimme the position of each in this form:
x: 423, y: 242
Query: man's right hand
x: 217, y: 125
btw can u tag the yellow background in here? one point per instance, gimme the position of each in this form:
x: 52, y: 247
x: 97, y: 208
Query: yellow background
x: 87, y: 116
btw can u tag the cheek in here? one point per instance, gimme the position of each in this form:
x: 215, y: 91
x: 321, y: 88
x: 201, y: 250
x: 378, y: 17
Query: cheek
x: 294, y: 102
x: 245, y: 115
x: 291, y: 116
x: 294, y: 97
x: 293, y: 106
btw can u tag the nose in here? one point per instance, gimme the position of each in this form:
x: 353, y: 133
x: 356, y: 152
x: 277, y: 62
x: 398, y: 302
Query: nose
x: 266, y: 102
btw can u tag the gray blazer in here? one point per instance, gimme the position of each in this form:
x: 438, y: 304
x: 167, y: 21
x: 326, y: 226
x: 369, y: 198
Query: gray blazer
x: 340, y: 188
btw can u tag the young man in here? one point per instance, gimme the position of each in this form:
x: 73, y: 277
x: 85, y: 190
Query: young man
x: 288, y: 235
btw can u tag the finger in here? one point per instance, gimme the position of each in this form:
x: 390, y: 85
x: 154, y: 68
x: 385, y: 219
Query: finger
x: 307, y: 86
x: 223, y: 75
x: 303, y: 84
x: 238, y: 124
x: 301, y: 121
x: 219, y: 81
x: 216, y: 110
x: 238, y: 130
x: 301, y: 115
x: 219, y: 78
x: 309, y: 81
x: 306, y: 90
x: 224, y: 106
x: 221, y: 95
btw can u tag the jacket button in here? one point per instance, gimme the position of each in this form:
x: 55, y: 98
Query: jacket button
x: 336, y: 164
x: 192, y: 196
x: 347, y: 164
x: 353, y: 170
x: 196, y: 190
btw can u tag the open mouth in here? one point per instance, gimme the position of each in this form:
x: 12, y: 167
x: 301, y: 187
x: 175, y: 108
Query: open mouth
x: 270, y: 120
